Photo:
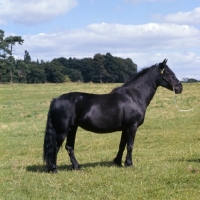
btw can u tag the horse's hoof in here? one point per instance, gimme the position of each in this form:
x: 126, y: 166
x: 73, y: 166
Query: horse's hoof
x: 54, y: 171
x: 128, y: 164
x: 76, y: 167
x: 116, y: 163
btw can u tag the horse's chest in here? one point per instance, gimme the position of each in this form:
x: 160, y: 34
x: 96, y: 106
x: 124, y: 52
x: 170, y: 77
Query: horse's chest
x: 133, y: 114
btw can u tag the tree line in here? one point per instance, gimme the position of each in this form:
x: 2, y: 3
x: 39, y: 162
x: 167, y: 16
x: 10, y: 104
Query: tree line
x: 100, y: 68
x: 190, y: 80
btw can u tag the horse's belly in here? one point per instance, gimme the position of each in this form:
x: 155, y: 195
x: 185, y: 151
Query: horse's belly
x: 99, y: 125
x: 100, y: 130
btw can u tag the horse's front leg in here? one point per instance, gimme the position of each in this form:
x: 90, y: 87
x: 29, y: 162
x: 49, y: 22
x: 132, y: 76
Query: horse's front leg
x: 130, y: 137
x: 118, y: 159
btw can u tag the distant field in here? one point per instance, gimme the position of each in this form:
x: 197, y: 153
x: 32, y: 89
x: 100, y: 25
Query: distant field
x: 166, y: 153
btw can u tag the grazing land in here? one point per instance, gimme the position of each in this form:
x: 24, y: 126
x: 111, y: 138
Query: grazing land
x: 166, y: 153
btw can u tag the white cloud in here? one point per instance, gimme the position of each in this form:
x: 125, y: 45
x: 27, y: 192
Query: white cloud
x: 33, y: 11
x: 190, y: 17
x: 184, y: 64
x: 145, y: 44
x: 96, y: 37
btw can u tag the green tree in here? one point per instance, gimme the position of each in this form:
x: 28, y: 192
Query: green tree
x: 7, y: 60
x: 22, y: 71
x: 10, y: 61
x: 119, y: 69
x: 4, y: 72
x: 54, y: 72
x: 4, y: 50
x: 36, y: 73
x: 74, y: 75
x: 85, y: 67
x: 100, y: 68
x: 100, y: 72
x: 11, y: 41
x: 189, y: 80
x: 27, y: 57
x: 72, y: 68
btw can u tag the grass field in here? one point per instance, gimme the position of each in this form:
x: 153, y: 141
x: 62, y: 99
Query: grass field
x: 166, y: 153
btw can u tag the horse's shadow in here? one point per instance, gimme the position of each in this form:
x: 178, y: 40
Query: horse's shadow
x: 42, y: 168
x: 193, y: 160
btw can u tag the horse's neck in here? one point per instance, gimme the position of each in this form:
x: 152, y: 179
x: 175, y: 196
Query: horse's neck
x: 147, y: 87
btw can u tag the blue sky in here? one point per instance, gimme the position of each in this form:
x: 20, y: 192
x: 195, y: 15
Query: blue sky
x: 147, y: 31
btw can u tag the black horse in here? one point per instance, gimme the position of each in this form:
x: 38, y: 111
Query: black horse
x: 121, y: 110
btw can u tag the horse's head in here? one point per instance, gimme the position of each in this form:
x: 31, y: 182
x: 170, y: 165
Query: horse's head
x: 168, y: 79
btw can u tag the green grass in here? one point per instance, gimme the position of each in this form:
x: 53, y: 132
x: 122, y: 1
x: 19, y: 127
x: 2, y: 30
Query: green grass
x: 166, y: 153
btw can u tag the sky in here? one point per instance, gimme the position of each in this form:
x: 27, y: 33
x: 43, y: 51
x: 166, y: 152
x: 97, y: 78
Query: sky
x: 147, y: 31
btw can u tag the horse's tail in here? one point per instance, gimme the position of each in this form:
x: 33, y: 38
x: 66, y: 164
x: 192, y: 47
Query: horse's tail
x: 49, y: 148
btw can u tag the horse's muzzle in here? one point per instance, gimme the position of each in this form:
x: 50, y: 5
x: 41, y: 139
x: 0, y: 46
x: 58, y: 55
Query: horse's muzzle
x: 178, y: 88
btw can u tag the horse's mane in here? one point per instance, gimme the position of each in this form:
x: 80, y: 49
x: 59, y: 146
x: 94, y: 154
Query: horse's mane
x: 132, y: 78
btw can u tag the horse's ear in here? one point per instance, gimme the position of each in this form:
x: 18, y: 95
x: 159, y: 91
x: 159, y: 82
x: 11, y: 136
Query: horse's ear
x: 162, y: 66
x: 165, y: 61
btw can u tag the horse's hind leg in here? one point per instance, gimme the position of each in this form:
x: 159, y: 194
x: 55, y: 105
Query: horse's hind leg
x: 53, y: 168
x: 60, y: 139
x: 70, y: 147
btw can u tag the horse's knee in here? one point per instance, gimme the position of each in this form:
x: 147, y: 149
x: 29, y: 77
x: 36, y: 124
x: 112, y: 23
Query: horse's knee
x: 129, y: 147
x: 69, y: 149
